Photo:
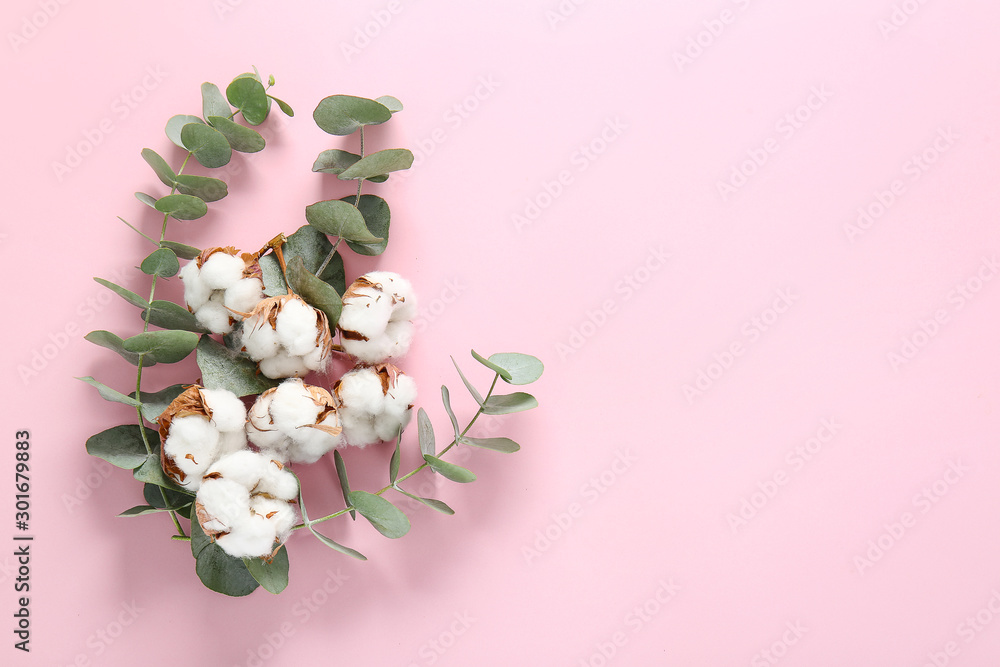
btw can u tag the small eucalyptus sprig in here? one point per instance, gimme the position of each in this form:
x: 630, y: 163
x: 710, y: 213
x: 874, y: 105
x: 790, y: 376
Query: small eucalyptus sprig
x: 277, y: 312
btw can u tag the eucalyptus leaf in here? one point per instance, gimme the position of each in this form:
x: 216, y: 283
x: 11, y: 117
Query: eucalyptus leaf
x: 114, y: 343
x: 180, y: 249
x: 165, y: 347
x: 204, y: 188
x: 383, y: 515
x: 161, y: 262
x: 500, y: 370
x: 273, y: 575
x: 199, y: 540
x: 176, y: 124
x: 169, y: 315
x: 175, y: 500
x: 154, y: 403
x: 271, y: 276
x: 182, y: 207
x: 109, y: 394
x: 425, y: 433
x: 334, y: 161
x: 375, y: 211
x: 338, y: 218
x: 160, y: 166
x: 504, y: 445
x: 223, y: 573
x: 468, y: 385
x: 240, y: 137
x: 390, y: 103
x: 121, y: 446
x: 433, y: 503
x: 508, y: 403
x: 140, y: 510
x: 345, y: 486
x: 222, y: 369
x: 446, y: 399
x: 394, y: 459
x: 151, y: 472
x: 128, y: 295
x: 213, y: 103
x: 379, y: 162
x: 208, y: 145
x: 336, y: 546
x: 284, y: 106
x: 522, y: 368
x: 148, y: 200
x: 313, y: 247
x: 316, y: 293
x: 248, y: 95
x: 341, y: 115
x: 449, y: 470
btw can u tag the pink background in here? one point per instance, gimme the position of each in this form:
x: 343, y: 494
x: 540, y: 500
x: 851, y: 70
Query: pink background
x: 615, y: 536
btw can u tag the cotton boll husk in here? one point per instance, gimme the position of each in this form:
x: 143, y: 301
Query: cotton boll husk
x: 228, y: 411
x: 244, y: 295
x: 259, y: 339
x: 196, y: 292
x: 222, y: 270
x: 296, y: 328
x: 283, y: 365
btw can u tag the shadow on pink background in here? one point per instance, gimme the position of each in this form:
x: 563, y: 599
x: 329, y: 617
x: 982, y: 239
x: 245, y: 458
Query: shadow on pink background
x: 755, y: 244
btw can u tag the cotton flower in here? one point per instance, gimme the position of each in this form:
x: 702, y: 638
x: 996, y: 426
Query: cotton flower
x: 295, y: 422
x: 197, y: 428
x: 245, y: 504
x: 375, y: 323
x: 374, y: 403
x: 220, y: 285
x: 287, y: 337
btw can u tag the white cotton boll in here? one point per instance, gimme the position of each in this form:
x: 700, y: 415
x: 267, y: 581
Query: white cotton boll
x: 361, y: 390
x: 213, y: 316
x: 259, y: 428
x: 316, y: 359
x: 359, y: 430
x: 222, y: 270
x: 293, y: 406
x: 243, y: 467
x: 366, y: 313
x: 283, y: 366
x: 244, y: 295
x: 192, y: 460
x: 231, y: 441
x: 194, y: 431
x: 279, y: 483
x: 253, y: 539
x: 196, y: 292
x: 400, y: 334
x: 259, y: 339
x: 228, y: 411
x: 279, y: 513
x: 225, y: 501
x: 296, y: 328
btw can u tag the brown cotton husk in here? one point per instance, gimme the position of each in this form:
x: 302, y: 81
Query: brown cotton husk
x: 325, y: 402
x: 189, y: 402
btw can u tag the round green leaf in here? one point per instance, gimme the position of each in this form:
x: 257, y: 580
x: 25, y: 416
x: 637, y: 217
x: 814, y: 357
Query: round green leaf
x: 176, y: 124
x: 334, y: 161
x: 163, y: 346
x: 169, y: 315
x: 248, y: 95
x: 390, y: 103
x: 273, y: 576
x: 375, y: 211
x: 182, y: 207
x: 507, y: 403
x: 382, y: 514
x: 208, y: 145
x: 154, y: 403
x: 338, y: 218
x: 523, y: 368
x: 161, y: 262
x: 240, y: 137
x: 316, y: 293
x: 381, y: 162
x: 121, y: 446
x: 160, y: 166
x: 224, y: 369
x: 223, y: 573
x: 114, y: 343
x: 501, y: 371
x: 212, y: 101
x: 449, y: 470
x: 341, y: 115
x: 203, y: 187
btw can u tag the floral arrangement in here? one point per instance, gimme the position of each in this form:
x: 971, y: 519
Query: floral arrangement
x: 224, y: 449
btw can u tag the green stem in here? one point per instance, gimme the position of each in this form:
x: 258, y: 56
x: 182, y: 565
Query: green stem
x: 329, y: 256
x: 138, y: 373
x: 413, y: 472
